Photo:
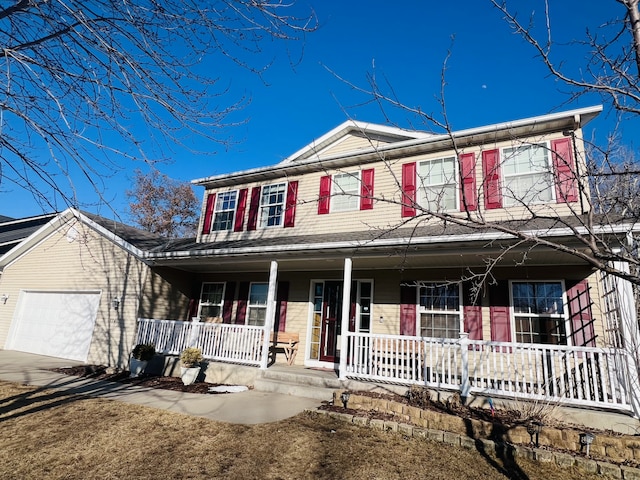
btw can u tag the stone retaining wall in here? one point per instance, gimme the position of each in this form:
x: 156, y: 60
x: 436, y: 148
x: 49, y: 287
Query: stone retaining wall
x: 605, y: 451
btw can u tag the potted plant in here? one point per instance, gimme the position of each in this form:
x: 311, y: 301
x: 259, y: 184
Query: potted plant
x: 140, y: 356
x: 190, y: 359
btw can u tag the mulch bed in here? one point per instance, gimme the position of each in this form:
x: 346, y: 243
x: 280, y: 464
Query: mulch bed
x: 101, y: 372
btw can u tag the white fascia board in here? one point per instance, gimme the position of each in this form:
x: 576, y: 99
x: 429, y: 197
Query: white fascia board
x: 580, y: 118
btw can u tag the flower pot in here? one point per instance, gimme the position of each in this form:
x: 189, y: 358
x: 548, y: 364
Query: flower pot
x: 189, y: 374
x: 136, y: 367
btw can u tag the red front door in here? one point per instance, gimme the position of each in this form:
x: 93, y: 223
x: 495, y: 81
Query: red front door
x: 331, y: 318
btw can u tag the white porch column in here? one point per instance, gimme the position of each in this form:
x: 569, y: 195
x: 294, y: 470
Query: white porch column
x: 346, y: 309
x: 630, y: 334
x: 270, y: 313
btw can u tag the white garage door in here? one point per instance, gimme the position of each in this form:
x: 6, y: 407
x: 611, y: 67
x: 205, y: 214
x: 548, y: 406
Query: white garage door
x: 57, y: 324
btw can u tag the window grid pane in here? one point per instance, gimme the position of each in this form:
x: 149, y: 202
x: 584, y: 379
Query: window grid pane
x: 257, y: 307
x: 211, y: 301
x: 272, y: 205
x: 527, y: 175
x: 438, y: 184
x: 539, y: 312
x: 346, y: 192
x: 440, y: 311
x: 224, y: 211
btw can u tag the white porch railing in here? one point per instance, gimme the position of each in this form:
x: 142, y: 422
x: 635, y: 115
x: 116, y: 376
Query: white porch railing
x: 585, y: 376
x: 218, y: 341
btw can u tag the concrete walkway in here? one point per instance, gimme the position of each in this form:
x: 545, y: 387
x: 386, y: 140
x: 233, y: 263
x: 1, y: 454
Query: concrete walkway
x: 248, y: 407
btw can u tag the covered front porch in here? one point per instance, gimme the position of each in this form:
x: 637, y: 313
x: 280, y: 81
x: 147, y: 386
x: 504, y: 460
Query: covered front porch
x: 333, y: 334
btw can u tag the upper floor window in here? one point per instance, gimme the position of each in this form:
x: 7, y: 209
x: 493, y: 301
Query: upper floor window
x: 528, y: 176
x: 439, y: 309
x: 211, y: 302
x: 346, y: 192
x: 272, y: 200
x: 538, y: 312
x: 438, y: 186
x: 224, y: 211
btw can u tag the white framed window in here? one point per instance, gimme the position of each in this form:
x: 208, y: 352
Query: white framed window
x: 224, y: 211
x: 438, y: 184
x: 363, y: 304
x: 440, y: 312
x: 257, y: 305
x: 272, y: 198
x: 211, y: 302
x: 539, y: 314
x: 528, y: 175
x: 346, y: 192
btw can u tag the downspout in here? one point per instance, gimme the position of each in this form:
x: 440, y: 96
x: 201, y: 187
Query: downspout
x: 270, y: 314
x: 344, y: 321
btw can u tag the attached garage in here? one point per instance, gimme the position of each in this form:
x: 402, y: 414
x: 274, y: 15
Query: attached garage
x: 57, y: 324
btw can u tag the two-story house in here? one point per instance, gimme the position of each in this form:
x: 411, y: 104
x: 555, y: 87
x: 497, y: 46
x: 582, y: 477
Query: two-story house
x: 381, y: 247
x: 406, y: 257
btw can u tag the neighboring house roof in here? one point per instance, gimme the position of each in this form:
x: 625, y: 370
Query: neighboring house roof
x: 13, y: 231
x: 131, y: 239
x: 394, y: 142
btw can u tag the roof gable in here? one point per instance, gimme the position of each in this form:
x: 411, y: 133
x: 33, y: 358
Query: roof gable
x: 351, y: 137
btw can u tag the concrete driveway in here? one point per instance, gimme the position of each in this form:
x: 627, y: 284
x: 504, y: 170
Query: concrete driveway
x: 249, y: 407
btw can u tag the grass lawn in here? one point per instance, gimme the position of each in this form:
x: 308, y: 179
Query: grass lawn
x: 46, y: 434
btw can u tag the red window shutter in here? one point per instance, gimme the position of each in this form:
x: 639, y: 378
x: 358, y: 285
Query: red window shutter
x: 290, y: 206
x: 242, y: 205
x: 252, y: 222
x: 325, y: 195
x: 473, y: 321
x: 366, y: 189
x: 408, y: 189
x: 208, y: 213
x: 468, y: 193
x: 243, y: 299
x: 579, y: 300
x: 227, y: 307
x: 408, y: 303
x: 282, y: 296
x: 492, y: 185
x: 499, y: 312
x: 193, y: 308
x: 564, y: 167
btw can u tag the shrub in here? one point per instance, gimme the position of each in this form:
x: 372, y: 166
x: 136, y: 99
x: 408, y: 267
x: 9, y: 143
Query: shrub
x: 143, y: 351
x: 190, y: 357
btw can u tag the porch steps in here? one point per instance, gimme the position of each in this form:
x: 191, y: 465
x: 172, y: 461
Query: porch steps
x: 298, y: 381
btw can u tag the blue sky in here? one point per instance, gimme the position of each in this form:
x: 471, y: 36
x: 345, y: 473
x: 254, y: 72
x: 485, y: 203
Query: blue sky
x: 492, y: 76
